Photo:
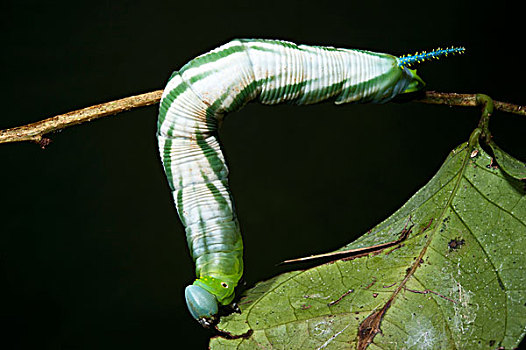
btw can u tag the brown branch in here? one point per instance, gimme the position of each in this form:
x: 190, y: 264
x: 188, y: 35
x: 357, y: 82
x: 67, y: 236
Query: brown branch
x: 35, y: 131
x: 468, y: 100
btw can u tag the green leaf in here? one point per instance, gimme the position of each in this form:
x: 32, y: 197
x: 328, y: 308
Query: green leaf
x: 510, y: 165
x: 457, y: 281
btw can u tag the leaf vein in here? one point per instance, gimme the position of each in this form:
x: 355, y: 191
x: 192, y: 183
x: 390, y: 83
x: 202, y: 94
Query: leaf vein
x: 488, y: 258
x: 492, y: 202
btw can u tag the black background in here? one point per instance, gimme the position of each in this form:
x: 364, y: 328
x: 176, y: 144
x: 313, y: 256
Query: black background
x: 92, y: 254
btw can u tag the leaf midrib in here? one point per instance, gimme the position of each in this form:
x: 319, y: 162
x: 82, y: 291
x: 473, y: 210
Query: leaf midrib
x: 414, y: 267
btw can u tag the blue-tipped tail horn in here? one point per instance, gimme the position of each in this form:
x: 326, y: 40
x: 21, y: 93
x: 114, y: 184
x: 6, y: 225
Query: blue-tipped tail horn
x: 419, y: 57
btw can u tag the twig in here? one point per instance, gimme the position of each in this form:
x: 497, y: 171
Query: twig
x: 35, y: 131
x: 467, y: 100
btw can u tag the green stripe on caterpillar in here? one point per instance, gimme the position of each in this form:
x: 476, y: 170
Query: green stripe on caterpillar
x: 203, y: 91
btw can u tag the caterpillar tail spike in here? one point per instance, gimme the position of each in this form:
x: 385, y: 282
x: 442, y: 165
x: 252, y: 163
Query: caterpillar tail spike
x: 406, y: 61
x: 419, y: 57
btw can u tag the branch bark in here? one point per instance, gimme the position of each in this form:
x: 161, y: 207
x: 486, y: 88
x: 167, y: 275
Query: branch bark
x: 468, y: 100
x: 36, y: 132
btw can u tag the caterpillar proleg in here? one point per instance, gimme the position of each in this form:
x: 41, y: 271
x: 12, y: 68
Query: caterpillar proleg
x: 203, y: 91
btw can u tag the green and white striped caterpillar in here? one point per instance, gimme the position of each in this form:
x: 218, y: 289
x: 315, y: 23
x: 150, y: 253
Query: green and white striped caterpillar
x: 203, y: 91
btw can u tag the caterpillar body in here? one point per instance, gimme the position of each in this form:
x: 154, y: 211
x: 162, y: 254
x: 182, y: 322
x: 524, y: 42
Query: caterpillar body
x: 203, y: 91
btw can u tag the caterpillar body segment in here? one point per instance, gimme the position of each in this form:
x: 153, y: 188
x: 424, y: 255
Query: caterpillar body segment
x: 203, y: 91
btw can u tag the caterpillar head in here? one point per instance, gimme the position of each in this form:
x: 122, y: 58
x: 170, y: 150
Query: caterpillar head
x: 206, y: 293
x: 415, y: 83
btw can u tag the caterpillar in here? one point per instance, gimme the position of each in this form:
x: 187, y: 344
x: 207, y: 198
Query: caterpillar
x: 204, y: 90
